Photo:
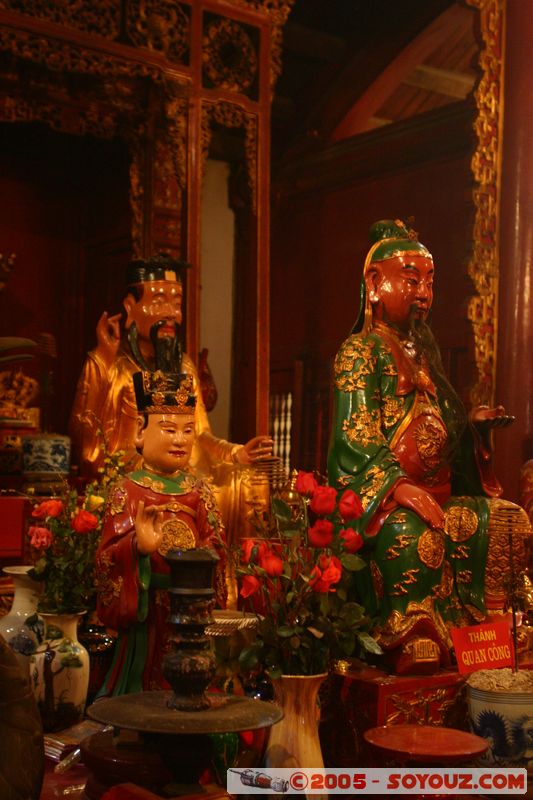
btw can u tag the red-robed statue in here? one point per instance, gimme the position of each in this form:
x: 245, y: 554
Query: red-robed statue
x: 158, y: 507
x: 437, y: 535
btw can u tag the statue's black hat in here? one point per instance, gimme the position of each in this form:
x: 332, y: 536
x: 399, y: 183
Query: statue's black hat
x: 162, y: 267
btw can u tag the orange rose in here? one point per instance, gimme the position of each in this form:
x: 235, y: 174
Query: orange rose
x: 84, y: 522
x: 48, y: 508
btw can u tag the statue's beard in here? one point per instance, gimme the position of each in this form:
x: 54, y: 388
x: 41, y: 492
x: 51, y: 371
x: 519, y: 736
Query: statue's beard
x: 425, y: 345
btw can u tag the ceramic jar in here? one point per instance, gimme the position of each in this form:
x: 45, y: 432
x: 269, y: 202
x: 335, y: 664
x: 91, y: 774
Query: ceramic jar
x: 505, y: 719
x: 22, y: 628
x: 59, y: 673
x: 45, y: 455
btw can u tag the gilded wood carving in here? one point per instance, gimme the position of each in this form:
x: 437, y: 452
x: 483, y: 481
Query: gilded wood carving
x: 486, y: 165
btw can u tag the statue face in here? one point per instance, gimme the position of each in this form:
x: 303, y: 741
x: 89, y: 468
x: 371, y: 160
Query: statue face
x: 166, y: 442
x: 401, y: 289
x: 160, y: 300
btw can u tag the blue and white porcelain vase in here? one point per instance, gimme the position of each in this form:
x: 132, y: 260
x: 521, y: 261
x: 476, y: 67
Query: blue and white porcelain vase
x: 22, y: 628
x: 59, y: 673
x: 501, y: 710
x: 45, y: 455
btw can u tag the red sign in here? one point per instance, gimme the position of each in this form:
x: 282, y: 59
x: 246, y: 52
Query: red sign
x: 483, y: 646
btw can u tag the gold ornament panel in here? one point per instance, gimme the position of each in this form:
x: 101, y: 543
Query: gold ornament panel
x: 460, y: 523
x: 230, y: 55
x: 177, y: 535
x: 430, y: 549
x: 97, y: 16
x: 163, y: 26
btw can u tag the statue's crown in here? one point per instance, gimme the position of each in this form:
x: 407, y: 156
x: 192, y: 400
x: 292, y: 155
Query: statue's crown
x: 164, y: 393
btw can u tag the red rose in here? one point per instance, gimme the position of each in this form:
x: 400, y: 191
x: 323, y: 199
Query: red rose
x: 271, y: 563
x: 321, y: 533
x: 48, y: 508
x: 40, y: 538
x: 352, y: 540
x: 306, y: 484
x: 84, y: 522
x: 327, y: 572
x: 248, y: 548
x: 350, y: 506
x: 246, y: 551
x: 249, y: 586
x: 324, y: 500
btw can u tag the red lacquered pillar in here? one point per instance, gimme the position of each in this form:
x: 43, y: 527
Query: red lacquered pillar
x: 514, y: 366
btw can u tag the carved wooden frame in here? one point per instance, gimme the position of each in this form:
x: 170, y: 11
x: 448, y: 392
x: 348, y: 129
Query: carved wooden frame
x: 483, y: 267
x: 164, y: 111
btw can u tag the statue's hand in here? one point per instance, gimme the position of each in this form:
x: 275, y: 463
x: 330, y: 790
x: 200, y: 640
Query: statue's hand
x: 485, y: 418
x: 421, y: 502
x: 257, y: 449
x: 108, y: 337
x: 149, y: 528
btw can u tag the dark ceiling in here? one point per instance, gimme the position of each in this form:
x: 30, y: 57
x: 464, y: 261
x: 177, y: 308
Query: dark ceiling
x: 349, y: 66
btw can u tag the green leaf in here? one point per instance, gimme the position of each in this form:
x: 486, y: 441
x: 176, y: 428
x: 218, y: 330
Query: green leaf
x: 285, y: 631
x: 347, y: 643
x: 352, y: 562
x: 248, y: 658
x: 352, y: 613
x: 369, y: 644
x: 274, y: 673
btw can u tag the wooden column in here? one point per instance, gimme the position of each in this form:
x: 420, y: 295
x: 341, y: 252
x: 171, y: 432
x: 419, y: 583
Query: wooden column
x: 514, y: 383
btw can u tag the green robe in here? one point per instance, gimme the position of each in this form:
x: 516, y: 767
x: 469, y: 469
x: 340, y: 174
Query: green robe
x: 391, y: 425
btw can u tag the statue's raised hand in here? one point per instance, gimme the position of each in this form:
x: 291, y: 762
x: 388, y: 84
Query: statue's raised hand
x: 421, y: 502
x: 149, y: 528
x: 257, y: 449
x: 108, y: 337
x: 485, y: 418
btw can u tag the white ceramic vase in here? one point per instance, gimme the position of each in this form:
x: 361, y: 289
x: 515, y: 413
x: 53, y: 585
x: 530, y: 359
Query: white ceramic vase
x: 22, y: 628
x: 59, y: 673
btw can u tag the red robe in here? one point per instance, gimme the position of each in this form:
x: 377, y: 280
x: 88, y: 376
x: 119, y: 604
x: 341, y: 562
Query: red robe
x: 132, y: 588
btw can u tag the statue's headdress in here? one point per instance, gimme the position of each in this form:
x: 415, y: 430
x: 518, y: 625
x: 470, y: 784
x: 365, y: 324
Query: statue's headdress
x: 390, y: 238
x: 162, y: 267
x: 164, y: 393
x: 164, y: 389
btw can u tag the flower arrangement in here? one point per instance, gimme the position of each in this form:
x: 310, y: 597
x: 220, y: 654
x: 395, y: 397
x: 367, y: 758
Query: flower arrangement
x: 64, y: 540
x: 297, y: 583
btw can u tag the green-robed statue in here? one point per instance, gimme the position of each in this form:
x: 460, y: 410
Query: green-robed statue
x: 437, y: 535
